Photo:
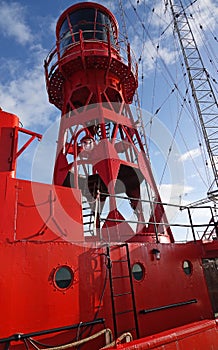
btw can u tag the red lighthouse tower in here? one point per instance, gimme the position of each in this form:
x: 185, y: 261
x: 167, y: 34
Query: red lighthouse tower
x: 92, y: 80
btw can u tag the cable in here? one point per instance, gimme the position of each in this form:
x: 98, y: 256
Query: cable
x: 171, y: 146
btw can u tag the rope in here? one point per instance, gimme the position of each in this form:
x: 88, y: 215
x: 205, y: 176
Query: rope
x: 127, y: 336
x: 77, y: 343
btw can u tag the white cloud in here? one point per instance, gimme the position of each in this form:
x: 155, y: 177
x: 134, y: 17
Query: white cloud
x: 192, y: 154
x: 26, y: 97
x: 110, y: 4
x: 22, y: 82
x: 147, y: 52
x: 8, y: 68
x: 12, y: 22
x: 167, y: 55
x: 207, y: 11
x: 174, y: 193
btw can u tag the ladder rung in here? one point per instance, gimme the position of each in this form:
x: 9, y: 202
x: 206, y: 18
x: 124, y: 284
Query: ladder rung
x: 124, y: 312
x: 85, y: 215
x: 123, y: 245
x: 121, y: 294
x: 125, y: 259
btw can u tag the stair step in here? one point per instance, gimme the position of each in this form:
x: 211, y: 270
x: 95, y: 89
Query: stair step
x: 119, y: 261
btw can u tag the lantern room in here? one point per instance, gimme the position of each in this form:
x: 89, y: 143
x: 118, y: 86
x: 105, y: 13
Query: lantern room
x: 93, y: 20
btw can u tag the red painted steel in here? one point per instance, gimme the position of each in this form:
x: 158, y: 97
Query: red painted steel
x: 8, y: 141
x: 201, y: 335
x: 130, y: 279
x: 92, y: 85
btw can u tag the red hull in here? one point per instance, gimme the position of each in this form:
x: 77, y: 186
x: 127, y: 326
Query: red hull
x: 63, y: 288
x: 198, y: 335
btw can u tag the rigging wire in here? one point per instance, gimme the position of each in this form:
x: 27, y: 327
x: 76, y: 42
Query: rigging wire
x: 155, y: 68
x: 202, y: 90
x: 162, y: 61
x: 150, y: 122
x: 196, y: 22
x: 169, y: 80
x: 155, y: 48
x: 136, y: 95
x: 171, y: 145
x: 208, y: 47
x: 122, y: 12
x: 212, y: 15
x: 141, y: 59
x: 190, y: 156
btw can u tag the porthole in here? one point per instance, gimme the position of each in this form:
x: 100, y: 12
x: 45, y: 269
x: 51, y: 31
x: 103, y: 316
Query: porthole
x: 187, y: 267
x: 63, y: 277
x: 138, y: 272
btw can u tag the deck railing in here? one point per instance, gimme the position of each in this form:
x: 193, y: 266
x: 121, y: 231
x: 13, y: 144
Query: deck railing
x: 186, y: 222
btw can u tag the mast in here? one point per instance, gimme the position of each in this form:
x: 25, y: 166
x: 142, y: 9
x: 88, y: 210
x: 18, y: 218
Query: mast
x: 202, y: 90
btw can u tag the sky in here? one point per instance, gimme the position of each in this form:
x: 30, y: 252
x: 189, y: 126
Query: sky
x: 27, y: 36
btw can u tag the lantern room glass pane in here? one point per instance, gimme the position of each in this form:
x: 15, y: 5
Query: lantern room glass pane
x: 103, y: 24
x: 93, y: 23
x: 64, y: 28
x: 65, y: 35
x: 83, y: 19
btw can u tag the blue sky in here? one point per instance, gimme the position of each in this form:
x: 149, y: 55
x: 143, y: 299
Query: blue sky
x: 28, y: 34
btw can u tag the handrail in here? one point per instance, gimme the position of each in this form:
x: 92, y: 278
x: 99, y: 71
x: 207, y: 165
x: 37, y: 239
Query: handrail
x: 189, y: 223
x: 21, y: 336
x: 52, y: 59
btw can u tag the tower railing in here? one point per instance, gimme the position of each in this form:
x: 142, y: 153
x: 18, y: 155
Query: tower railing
x: 120, y: 50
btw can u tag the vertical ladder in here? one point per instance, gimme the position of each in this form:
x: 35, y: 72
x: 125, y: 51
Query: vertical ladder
x: 121, y: 298
x: 88, y: 219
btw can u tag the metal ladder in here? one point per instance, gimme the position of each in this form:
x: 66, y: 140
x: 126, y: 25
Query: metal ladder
x: 120, y: 295
x: 88, y: 218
